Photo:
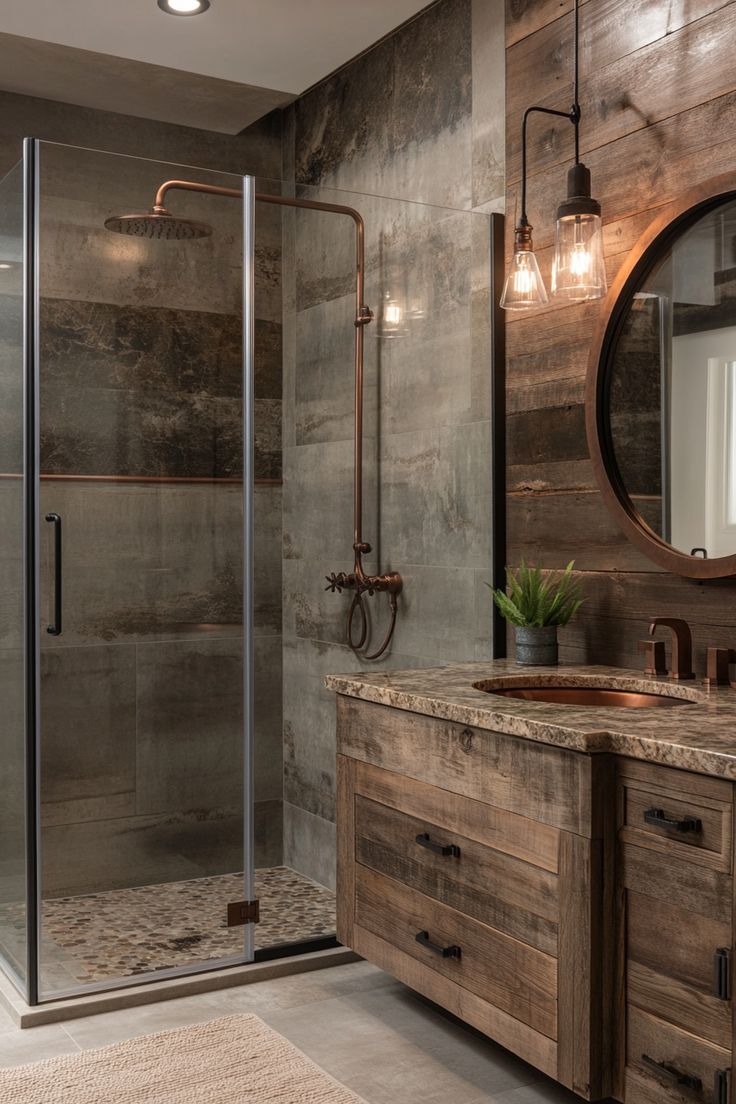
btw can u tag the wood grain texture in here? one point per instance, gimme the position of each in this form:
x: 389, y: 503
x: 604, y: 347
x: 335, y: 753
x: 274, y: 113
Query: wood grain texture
x: 514, y: 897
x: 662, y: 1042
x: 644, y: 145
x: 514, y: 977
x: 620, y: 51
x: 550, y: 785
x: 511, y: 1033
x: 504, y: 831
x: 680, y: 1004
x: 584, y: 1042
x: 697, y: 889
x: 345, y: 895
x: 711, y: 846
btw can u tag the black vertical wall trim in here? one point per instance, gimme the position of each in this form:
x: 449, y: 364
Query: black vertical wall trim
x: 498, y: 427
x: 30, y: 519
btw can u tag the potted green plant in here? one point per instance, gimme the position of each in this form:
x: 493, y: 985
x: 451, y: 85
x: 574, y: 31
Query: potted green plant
x: 536, y: 604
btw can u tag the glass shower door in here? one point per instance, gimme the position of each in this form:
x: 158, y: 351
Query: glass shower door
x: 143, y: 537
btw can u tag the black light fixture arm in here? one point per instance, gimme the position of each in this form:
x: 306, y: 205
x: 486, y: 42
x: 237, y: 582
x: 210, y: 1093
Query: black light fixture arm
x: 573, y: 115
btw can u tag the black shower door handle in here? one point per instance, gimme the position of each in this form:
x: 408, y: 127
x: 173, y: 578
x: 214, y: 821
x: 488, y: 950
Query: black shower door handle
x: 55, y: 629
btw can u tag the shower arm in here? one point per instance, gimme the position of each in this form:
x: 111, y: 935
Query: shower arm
x: 357, y: 580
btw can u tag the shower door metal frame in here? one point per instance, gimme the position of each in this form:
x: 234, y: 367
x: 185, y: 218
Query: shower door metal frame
x: 32, y: 989
x: 31, y: 512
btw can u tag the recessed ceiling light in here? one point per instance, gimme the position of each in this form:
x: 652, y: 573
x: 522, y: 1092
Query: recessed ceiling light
x: 184, y: 7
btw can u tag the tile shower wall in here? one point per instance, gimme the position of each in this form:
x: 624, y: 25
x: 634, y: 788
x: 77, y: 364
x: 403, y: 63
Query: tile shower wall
x: 141, y: 378
x: 419, y: 118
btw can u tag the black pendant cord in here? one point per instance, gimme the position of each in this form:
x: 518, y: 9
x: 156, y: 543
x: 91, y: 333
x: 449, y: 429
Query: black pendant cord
x: 573, y: 115
x: 576, y: 100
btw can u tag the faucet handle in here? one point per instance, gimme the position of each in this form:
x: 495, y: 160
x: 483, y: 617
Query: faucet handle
x: 654, y: 651
x: 717, y: 664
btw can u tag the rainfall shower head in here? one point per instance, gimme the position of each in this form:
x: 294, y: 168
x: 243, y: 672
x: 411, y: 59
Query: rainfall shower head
x: 158, y: 223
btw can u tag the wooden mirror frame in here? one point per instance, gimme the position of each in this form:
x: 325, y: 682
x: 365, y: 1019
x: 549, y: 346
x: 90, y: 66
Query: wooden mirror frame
x: 651, y: 246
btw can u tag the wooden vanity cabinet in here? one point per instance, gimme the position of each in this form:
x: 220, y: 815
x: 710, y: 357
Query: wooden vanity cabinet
x: 576, y: 908
x: 675, y: 875
x: 471, y: 866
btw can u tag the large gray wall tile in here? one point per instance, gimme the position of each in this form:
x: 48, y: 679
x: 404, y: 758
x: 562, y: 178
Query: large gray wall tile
x: 190, y: 725
x: 88, y: 732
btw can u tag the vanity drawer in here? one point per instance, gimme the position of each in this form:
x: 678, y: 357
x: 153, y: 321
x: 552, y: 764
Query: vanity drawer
x: 549, y: 785
x: 504, y: 892
x: 676, y: 813
x: 674, y: 962
x: 658, y: 1055
x: 512, y: 976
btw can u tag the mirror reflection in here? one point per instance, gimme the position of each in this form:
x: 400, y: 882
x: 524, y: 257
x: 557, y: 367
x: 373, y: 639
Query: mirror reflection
x: 672, y: 390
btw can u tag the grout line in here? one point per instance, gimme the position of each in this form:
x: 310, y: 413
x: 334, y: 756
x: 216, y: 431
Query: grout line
x: 69, y: 1035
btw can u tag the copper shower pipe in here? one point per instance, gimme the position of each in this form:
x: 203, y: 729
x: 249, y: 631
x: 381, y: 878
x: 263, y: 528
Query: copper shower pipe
x: 357, y: 580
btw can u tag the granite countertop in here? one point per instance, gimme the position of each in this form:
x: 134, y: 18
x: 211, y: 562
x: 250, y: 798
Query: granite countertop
x: 700, y: 736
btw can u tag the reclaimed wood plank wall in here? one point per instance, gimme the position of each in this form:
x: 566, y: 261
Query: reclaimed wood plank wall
x: 658, y: 96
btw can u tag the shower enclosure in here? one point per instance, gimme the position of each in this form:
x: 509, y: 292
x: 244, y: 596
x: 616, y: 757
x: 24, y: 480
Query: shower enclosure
x: 167, y: 549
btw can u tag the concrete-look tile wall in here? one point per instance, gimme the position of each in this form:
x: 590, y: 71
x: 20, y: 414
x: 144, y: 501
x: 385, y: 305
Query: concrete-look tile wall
x: 141, y: 351
x: 420, y: 118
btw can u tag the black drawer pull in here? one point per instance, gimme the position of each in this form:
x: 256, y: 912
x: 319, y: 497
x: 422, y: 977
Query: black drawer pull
x: 722, y: 973
x: 671, y: 1073
x: 721, y: 1085
x: 659, y: 820
x: 452, y: 951
x: 423, y: 839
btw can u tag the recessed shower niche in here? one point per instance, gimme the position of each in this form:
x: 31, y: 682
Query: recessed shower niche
x: 177, y: 482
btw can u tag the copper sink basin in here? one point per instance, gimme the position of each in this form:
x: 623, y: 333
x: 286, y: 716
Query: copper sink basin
x: 603, y: 697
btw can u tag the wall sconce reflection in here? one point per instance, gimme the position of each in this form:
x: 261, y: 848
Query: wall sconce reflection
x: 396, y: 316
x: 391, y: 317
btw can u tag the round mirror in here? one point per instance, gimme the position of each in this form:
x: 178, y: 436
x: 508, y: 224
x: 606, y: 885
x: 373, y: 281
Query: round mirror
x: 661, y: 399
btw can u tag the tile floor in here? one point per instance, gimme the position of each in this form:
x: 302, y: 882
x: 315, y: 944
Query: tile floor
x: 373, y: 1034
x: 133, y: 931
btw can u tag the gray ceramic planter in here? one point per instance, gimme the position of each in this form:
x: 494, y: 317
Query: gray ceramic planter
x: 536, y: 647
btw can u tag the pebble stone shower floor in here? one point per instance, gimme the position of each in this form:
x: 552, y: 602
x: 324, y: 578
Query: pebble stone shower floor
x: 124, y: 932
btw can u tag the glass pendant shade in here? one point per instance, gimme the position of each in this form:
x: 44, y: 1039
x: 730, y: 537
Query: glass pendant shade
x: 579, y: 269
x: 524, y: 287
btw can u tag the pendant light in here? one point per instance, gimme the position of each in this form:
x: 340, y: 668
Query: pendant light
x: 578, y: 270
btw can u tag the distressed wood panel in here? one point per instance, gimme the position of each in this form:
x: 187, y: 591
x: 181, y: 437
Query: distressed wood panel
x: 654, y: 124
x: 679, y: 1003
x: 514, y: 977
x: 636, y: 72
x: 662, y: 1042
x: 553, y: 529
x: 511, y: 896
x: 697, y: 890
x: 510, y: 1032
x: 550, y: 784
x: 500, y: 829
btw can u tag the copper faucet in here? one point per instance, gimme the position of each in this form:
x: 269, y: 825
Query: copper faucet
x: 682, y: 645
x: 717, y: 664
x: 654, y: 651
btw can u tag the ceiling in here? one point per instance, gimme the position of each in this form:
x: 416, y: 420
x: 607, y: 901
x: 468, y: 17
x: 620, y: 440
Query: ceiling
x: 254, y: 54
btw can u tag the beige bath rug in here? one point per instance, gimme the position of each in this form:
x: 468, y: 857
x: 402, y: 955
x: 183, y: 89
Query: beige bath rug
x: 235, y: 1060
